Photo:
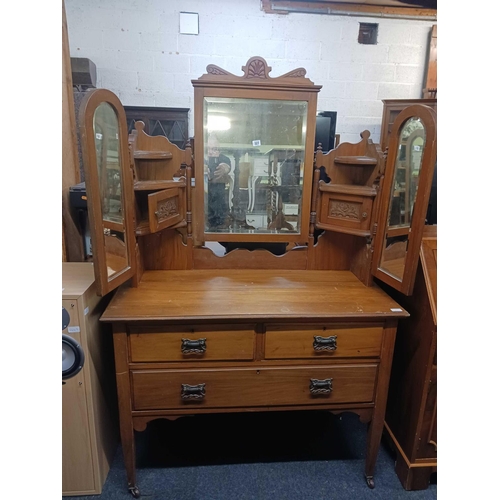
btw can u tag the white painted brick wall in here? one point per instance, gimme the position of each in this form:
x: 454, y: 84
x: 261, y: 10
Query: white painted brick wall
x: 141, y: 56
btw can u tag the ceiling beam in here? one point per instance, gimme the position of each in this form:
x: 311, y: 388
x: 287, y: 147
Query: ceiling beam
x: 347, y: 9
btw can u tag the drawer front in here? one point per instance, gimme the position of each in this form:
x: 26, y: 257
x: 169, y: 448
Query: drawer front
x: 284, y: 342
x: 191, y: 344
x: 218, y: 388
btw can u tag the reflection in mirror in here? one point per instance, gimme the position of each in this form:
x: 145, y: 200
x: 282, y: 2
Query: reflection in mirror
x: 407, y: 172
x: 404, y: 192
x: 107, y: 145
x: 394, y: 255
x: 254, y: 165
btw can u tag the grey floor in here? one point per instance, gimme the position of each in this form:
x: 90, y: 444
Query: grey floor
x: 263, y: 456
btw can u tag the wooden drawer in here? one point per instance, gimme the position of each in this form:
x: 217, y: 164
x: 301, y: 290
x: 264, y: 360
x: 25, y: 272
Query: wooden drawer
x: 188, y: 344
x: 245, y: 387
x: 285, y: 342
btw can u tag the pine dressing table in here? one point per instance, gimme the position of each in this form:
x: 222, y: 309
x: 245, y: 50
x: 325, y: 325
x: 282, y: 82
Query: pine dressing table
x: 301, y: 327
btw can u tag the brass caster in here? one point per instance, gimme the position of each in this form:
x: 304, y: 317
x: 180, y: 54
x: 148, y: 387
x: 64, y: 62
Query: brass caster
x: 134, y: 491
x: 370, y: 482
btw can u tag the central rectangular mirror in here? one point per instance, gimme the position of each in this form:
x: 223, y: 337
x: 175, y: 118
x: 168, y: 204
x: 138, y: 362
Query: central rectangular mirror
x: 253, y: 164
x: 253, y: 151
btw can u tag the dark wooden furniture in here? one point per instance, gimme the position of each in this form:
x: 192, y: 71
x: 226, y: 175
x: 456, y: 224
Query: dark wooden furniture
x: 392, y: 107
x: 430, y: 89
x: 410, y: 420
x: 254, y: 329
x: 168, y: 122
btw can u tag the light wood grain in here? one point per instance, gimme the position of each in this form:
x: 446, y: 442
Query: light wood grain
x: 258, y: 294
x: 251, y: 387
x: 160, y: 344
x: 295, y: 342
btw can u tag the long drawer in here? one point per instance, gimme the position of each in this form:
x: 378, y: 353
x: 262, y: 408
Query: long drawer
x: 244, y: 387
x: 191, y: 344
x: 306, y: 342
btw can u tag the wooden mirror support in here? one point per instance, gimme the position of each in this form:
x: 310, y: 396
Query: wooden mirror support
x: 108, y: 179
x: 411, y: 160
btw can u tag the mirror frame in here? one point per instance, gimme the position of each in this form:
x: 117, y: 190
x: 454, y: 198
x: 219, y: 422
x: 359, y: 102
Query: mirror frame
x: 88, y: 107
x: 254, y: 84
x: 428, y: 118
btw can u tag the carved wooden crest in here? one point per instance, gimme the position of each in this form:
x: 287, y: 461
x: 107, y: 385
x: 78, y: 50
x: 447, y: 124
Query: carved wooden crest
x: 255, y: 69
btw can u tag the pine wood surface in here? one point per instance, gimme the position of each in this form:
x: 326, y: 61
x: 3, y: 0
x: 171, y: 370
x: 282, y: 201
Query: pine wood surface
x: 163, y: 344
x: 250, y: 387
x: 256, y: 294
x: 292, y: 342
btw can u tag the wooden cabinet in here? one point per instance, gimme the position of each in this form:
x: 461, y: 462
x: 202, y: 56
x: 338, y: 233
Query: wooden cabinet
x: 89, y: 416
x: 392, y: 107
x: 411, y: 418
x: 283, y: 319
x: 168, y: 122
x: 184, y: 354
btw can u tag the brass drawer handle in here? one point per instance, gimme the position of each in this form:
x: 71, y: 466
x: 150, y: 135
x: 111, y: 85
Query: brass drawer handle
x: 192, y: 391
x: 325, y: 343
x: 194, y: 346
x: 321, y: 386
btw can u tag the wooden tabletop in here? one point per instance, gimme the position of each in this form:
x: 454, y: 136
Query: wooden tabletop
x: 249, y: 294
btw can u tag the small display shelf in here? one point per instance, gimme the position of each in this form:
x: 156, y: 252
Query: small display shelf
x: 347, y: 201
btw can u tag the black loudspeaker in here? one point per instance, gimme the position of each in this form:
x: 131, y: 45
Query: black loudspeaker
x: 72, y: 357
x: 72, y: 353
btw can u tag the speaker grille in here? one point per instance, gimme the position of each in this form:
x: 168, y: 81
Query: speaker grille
x: 72, y: 357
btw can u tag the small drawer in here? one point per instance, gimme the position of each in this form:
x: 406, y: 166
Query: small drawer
x: 191, y: 344
x: 252, y: 387
x: 306, y: 342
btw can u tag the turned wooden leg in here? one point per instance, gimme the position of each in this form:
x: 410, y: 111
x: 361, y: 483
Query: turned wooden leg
x: 376, y: 425
x: 125, y: 406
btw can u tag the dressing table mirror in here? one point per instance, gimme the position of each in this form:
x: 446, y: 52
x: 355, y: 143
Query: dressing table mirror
x: 104, y: 138
x: 254, y: 161
x: 409, y: 169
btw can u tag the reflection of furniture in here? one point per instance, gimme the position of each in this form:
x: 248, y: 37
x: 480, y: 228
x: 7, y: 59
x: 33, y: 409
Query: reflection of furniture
x: 89, y: 419
x: 284, y: 185
x: 259, y: 168
x: 208, y: 341
x: 412, y: 405
x: 392, y: 107
x: 169, y: 122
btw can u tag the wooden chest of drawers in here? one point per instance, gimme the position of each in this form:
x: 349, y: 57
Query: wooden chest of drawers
x: 227, y: 341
